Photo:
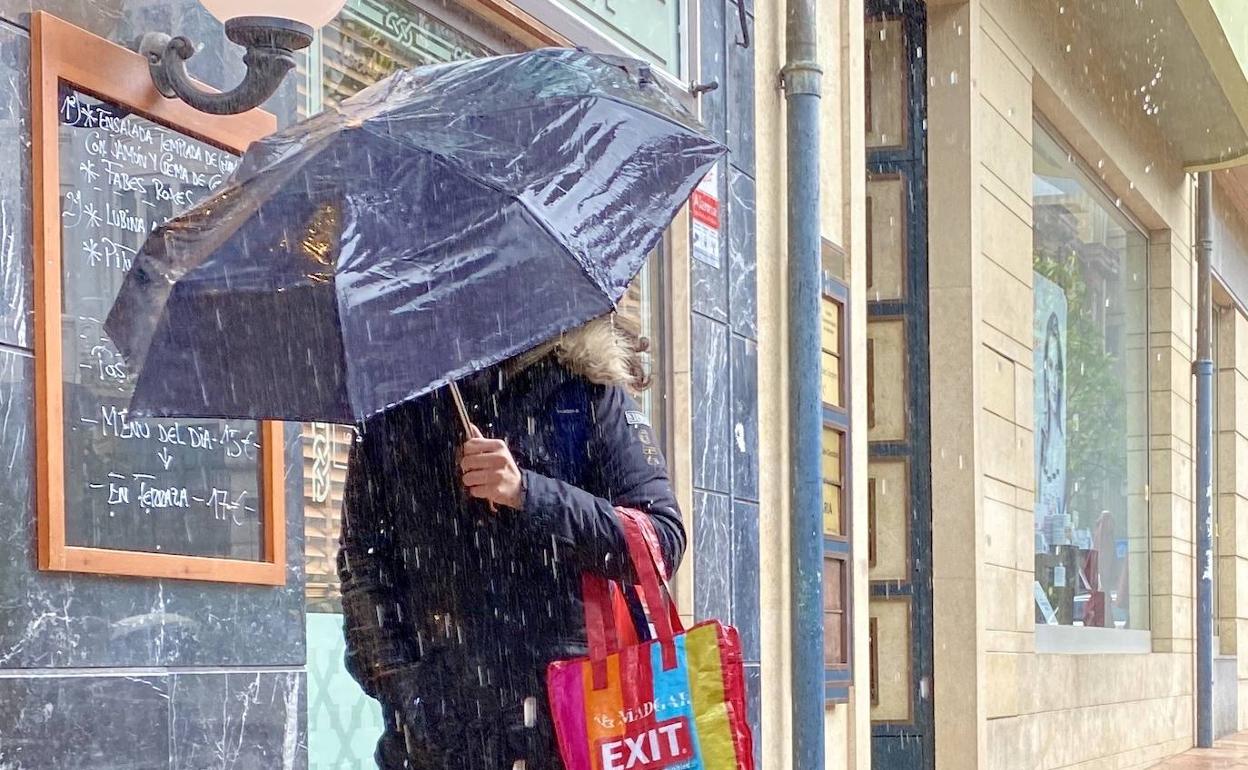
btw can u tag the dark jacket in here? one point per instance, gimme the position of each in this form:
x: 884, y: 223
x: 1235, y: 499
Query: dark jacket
x: 452, y: 613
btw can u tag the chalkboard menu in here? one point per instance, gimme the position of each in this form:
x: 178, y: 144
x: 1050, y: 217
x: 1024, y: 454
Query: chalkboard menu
x: 185, y: 487
x: 119, y: 493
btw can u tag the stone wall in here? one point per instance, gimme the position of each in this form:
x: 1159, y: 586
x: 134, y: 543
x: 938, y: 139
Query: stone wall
x: 997, y: 65
x: 723, y: 398
x: 100, y: 672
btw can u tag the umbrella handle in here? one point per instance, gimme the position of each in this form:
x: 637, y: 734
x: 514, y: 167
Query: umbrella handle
x: 461, y: 408
x: 465, y: 420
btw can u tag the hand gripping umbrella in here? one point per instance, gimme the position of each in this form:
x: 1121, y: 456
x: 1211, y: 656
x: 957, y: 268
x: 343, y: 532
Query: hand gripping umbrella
x: 435, y: 224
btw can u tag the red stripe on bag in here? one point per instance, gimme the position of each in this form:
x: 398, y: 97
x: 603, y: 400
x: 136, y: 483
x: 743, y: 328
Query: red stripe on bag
x: 599, y: 625
x: 662, y: 609
x: 735, y: 697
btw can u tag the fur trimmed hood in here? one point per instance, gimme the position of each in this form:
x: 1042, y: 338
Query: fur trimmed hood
x: 602, y: 351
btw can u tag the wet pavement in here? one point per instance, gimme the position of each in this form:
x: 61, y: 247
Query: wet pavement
x: 1228, y: 752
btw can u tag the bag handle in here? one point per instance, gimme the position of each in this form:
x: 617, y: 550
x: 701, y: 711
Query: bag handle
x: 642, y: 544
x: 599, y: 625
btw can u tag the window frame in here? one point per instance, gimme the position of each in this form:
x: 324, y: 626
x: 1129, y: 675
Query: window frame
x: 568, y: 22
x: 1072, y: 639
x: 839, y: 678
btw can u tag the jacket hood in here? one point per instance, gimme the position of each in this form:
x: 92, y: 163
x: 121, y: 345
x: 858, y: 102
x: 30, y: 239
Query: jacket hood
x: 599, y: 351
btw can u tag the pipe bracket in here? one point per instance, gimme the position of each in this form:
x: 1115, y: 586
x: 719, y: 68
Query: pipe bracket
x: 802, y: 77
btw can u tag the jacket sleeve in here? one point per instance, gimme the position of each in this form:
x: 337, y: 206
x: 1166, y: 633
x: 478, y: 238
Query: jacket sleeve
x: 377, y: 648
x: 629, y: 472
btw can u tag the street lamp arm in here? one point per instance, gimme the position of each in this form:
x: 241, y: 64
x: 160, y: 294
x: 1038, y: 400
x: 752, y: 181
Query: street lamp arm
x: 270, y: 43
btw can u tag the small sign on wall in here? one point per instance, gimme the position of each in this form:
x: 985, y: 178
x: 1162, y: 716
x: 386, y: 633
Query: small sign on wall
x: 704, y: 206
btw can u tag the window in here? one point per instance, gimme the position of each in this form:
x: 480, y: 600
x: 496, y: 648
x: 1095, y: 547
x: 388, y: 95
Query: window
x: 1091, y: 400
x: 837, y: 564
x: 645, y: 303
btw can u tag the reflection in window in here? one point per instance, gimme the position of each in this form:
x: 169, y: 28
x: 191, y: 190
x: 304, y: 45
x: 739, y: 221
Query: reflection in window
x: 888, y: 519
x: 1225, y: 440
x: 1091, y: 432
x: 367, y: 44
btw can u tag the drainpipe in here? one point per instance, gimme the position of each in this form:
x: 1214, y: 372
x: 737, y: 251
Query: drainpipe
x: 800, y: 80
x: 1203, y: 369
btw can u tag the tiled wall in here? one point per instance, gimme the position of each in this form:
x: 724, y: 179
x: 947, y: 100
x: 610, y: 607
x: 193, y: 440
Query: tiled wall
x: 724, y: 390
x: 106, y: 673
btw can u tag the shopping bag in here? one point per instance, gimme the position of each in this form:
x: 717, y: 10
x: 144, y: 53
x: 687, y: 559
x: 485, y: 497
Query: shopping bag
x: 676, y: 702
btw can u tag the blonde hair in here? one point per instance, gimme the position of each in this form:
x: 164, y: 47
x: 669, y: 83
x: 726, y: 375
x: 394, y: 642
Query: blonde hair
x: 608, y: 350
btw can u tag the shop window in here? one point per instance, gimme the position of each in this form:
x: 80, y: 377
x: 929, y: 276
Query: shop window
x: 1091, y: 395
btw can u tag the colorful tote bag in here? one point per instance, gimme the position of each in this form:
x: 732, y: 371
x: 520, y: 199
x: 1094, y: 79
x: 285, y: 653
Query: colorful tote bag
x: 675, y: 702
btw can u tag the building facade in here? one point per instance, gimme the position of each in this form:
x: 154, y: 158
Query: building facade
x: 1008, y: 211
x: 1062, y: 145
x: 121, y: 670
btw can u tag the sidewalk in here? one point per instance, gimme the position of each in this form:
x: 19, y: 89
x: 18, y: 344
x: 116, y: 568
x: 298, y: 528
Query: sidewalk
x: 1228, y: 752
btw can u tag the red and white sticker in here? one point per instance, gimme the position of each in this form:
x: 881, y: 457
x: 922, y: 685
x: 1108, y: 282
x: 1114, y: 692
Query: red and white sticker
x: 704, y: 205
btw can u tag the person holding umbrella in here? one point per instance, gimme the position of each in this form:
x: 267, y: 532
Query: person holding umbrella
x: 438, y: 261
x: 453, y: 609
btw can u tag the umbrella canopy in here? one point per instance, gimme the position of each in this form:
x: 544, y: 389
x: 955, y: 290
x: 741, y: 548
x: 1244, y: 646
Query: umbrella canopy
x: 437, y: 223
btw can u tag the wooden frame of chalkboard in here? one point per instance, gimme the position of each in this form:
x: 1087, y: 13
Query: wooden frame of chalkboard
x: 62, y: 54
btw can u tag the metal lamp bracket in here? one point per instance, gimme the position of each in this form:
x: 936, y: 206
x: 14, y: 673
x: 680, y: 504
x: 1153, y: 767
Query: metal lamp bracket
x: 270, y: 42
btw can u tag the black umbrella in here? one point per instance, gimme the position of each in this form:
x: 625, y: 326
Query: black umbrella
x: 437, y: 223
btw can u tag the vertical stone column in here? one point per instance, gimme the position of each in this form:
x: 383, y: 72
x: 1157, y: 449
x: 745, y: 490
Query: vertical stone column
x: 724, y: 346
x: 1171, y: 495
x: 1231, y: 488
x: 955, y: 281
